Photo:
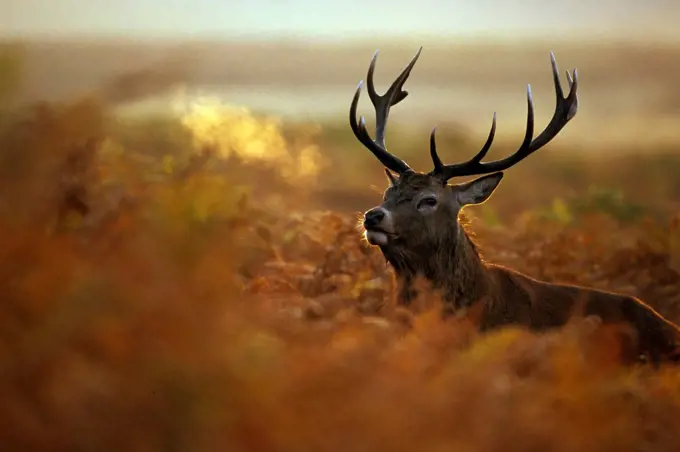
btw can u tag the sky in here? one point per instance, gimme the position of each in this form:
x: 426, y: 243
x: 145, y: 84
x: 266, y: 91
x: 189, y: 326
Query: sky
x: 335, y: 19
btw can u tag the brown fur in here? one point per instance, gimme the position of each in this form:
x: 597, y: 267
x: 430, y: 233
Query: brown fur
x: 434, y: 245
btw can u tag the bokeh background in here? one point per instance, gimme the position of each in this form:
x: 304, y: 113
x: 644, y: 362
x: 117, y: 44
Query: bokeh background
x: 180, y: 262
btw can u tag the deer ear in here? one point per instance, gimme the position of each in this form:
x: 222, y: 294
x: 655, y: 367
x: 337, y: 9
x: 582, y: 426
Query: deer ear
x: 391, y: 178
x: 479, y: 190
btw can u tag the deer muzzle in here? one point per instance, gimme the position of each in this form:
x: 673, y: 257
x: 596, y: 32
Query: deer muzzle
x: 378, y: 226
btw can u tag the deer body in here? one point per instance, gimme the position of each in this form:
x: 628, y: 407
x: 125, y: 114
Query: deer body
x: 418, y: 231
x: 505, y: 297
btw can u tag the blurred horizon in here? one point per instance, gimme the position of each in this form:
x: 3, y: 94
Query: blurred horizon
x: 301, y: 61
x: 335, y: 20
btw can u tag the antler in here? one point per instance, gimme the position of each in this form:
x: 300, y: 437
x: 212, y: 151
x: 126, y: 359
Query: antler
x: 381, y: 104
x: 565, y: 110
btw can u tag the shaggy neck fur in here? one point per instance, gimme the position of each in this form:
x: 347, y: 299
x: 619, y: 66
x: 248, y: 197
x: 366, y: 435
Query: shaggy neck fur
x: 453, y: 266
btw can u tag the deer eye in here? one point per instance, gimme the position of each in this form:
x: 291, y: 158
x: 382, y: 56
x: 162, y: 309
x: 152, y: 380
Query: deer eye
x: 427, y: 203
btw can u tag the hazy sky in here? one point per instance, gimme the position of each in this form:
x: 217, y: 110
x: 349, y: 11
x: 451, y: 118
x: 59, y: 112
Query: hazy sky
x: 334, y: 18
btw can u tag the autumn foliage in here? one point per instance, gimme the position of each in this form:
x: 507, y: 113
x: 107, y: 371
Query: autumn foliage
x: 172, y: 286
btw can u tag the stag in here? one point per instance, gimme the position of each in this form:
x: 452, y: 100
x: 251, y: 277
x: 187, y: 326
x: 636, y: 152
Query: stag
x: 417, y: 228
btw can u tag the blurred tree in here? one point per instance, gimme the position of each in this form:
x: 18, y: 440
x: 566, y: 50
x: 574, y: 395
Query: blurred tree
x: 11, y: 70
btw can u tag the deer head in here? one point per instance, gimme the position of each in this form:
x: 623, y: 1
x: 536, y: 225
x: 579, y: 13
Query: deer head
x: 419, y: 214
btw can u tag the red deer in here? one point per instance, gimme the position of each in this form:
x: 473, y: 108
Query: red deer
x: 417, y: 229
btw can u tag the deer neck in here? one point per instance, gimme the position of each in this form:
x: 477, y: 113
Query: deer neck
x: 454, y: 268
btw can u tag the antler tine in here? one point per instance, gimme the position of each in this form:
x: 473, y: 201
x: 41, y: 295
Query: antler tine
x: 489, y: 141
x: 381, y: 104
x: 565, y: 110
x: 392, y: 96
x: 439, y: 166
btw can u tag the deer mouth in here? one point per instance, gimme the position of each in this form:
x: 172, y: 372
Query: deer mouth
x: 377, y: 236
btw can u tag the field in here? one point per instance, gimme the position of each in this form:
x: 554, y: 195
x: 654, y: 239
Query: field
x: 199, y: 282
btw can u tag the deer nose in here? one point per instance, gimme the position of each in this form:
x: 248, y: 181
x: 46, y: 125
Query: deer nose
x: 373, y: 217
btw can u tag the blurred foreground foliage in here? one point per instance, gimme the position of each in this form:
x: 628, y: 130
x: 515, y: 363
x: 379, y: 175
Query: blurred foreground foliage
x: 163, y: 290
